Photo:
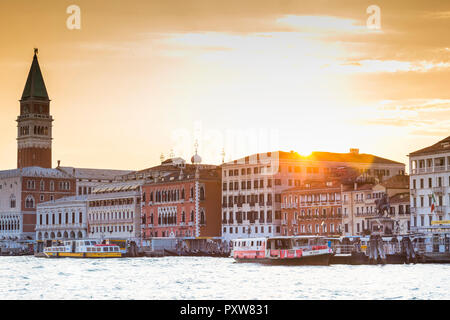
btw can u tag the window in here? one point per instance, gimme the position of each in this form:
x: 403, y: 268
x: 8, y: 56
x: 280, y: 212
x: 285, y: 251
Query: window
x: 12, y: 201
x: 29, y: 202
x: 31, y: 184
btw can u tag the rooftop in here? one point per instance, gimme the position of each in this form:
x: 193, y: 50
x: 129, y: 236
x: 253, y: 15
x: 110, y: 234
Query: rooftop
x: 34, y: 172
x: 441, y: 146
x: 397, y: 182
x: 400, y: 197
x: 35, y: 86
x: 96, y: 174
x: 80, y: 198
x: 351, y: 157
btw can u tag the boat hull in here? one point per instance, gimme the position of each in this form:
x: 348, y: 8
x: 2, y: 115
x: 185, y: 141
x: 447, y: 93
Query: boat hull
x: 313, y: 260
x: 436, y: 257
x: 360, y: 258
x: 94, y: 255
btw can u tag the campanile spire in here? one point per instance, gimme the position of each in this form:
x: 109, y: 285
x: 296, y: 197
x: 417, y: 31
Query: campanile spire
x: 34, y: 128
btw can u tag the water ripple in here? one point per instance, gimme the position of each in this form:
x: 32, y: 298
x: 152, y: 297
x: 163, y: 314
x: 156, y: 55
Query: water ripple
x: 215, y: 278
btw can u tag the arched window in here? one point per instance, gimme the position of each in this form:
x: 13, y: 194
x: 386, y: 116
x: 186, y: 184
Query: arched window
x: 202, y: 217
x: 29, y: 202
x: 202, y: 193
x: 192, y: 215
x: 12, y: 201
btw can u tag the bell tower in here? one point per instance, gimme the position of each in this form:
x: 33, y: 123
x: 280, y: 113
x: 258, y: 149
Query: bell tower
x: 34, y: 128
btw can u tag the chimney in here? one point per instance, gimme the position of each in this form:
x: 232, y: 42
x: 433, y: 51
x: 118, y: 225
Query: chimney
x: 354, y: 151
x: 59, y: 162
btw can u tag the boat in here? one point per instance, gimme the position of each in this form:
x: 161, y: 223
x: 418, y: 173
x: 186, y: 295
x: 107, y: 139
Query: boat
x: 171, y: 253
x: 82, y: 249
x: 283, y: 250
x: 433, y: 243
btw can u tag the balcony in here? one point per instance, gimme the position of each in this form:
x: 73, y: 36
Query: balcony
x: 289, y: 205
x: 439, y: 190
x: 439, y: 210
x: 430, y: 169
x: 284, y: 222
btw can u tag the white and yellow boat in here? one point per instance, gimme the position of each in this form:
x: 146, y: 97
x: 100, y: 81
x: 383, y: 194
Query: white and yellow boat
x: 83, y: 249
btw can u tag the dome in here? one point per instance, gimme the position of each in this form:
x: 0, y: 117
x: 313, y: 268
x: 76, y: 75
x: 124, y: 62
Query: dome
x: 196, y: 159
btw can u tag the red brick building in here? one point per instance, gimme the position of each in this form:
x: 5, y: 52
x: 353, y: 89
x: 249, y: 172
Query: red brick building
x: 21, y: 190
x: 313, y: 208
x: 185, y: 203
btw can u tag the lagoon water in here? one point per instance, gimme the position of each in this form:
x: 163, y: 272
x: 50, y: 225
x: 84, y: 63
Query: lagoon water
x: 178, y: 278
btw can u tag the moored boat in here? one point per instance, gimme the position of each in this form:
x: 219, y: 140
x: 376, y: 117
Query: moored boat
x: 285, y: 250
x: 83, y: 249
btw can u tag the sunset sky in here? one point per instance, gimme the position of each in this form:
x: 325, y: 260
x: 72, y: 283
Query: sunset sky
x: 142, y: 77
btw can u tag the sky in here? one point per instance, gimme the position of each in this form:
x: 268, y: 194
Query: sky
x: 142, y: 78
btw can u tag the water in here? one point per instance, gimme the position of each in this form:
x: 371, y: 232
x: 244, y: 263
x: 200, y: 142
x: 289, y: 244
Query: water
x: 214, y: 278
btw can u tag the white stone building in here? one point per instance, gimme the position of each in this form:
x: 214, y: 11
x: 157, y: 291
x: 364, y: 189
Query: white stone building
x: 359, y: 206
x: 62, y: 219
x: 252, y: 186
x: 430, y: 185
x: 114, y: 211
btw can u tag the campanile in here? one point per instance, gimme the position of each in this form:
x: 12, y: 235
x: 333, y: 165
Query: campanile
x: 34, y: 129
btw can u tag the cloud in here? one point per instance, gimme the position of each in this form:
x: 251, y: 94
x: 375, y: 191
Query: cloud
x: 426, y: 117
x: 380, y: 66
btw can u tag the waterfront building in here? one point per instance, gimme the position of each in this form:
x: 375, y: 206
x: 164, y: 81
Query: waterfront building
x: 114, y: 211
x: 87, y: 178
x: 358, y: 203
x: 184, y: 202
x: 360, y: 215
x: 252, y: 186
x: 21, y: 190
x: 62, y: 219
x: 313, y: 208
x: 430, y: 185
